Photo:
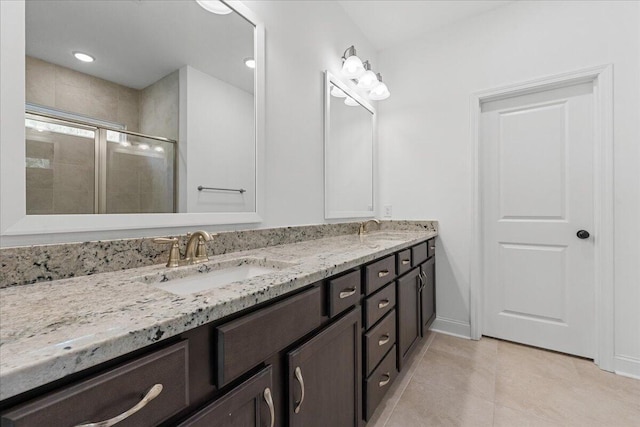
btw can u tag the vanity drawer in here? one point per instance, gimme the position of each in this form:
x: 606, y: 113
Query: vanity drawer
x: 379, y: 304
x: 419, y: 253
x: 431, y: 247
x: 379, y: 273
x: 114, y: 392
x: 344, y: 292
x: 404, y: 261
x: 379, y: 382
x: 247, y: 341
x: 379, y: 340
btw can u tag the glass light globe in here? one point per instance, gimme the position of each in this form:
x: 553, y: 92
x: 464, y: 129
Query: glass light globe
x: 379, y: 92
x: 352, y: 67
x: 368, y: 80
x: 351, y: 102
x: 337, y: 92
x: 215, y: 6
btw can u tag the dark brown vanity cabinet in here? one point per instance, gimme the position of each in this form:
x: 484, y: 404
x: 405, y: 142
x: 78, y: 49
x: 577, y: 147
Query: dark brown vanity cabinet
x: 427, y: 295
x: 324, y: 377
x: 408, y: 308
x: 143, y: 392
x: 325, y: 355
x: 250, y: 404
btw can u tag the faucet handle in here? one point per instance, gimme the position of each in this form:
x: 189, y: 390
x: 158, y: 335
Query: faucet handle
x: 174, y: 252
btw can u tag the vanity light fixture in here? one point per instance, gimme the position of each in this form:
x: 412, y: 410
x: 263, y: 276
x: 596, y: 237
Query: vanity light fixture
x: 361, y: 74
x: 250, y: 62
x: 215, y: 6
x: 125, y: 144
x: 380, y: 91
x: 158, y: 149
x: 143, y: 146
x: 351, y: 102
x: 84, y: 57
x: 352, y: 66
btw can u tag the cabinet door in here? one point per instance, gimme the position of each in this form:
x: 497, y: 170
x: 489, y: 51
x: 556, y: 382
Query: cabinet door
x: 428, y: 295
x: 324, y: 377
x: 408, y: 309
x: 248, y: 405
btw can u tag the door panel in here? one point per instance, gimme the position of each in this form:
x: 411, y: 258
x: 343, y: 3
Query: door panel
x: 324, y: 376
x: 537, y: 173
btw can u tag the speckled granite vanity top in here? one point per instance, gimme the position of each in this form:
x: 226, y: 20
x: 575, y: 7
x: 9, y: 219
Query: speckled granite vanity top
x: 52, y: 329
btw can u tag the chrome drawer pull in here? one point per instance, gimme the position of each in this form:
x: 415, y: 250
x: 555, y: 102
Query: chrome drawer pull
x: 384, y: 339
x: 298, y: 373
x: 151, y: 394
x: 433, y: 248
x: 269, y: 400
x: 405, y: 261
x: 347, y: 293
x: 385, y: 381
x: 383, y: 273
x: 383, y: 303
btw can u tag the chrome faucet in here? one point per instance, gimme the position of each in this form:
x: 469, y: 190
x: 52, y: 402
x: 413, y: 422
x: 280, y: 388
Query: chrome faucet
x: 195, y: 253
x: 363, y: 226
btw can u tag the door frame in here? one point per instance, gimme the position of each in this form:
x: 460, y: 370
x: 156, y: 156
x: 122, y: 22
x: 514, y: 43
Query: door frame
x: 602, y: 79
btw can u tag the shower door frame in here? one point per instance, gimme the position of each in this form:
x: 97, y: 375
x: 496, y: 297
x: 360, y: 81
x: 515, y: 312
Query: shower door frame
x: 43, y: 114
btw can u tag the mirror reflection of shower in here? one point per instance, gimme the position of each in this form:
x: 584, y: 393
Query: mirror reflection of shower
x: 76, y: 165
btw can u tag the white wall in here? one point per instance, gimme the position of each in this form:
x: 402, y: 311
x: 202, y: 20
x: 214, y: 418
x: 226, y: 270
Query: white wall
x: 218, y: 144
x: 424, y: 131
x: 303, y: 38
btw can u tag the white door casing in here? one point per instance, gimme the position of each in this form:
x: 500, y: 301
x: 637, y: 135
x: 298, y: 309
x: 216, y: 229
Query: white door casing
x: 538, y: 181
x: 603, y: 225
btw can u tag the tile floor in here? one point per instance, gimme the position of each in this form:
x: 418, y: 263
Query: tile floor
x: 456, y: 382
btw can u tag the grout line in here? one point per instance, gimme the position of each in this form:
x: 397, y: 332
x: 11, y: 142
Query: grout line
x: 408, y: 379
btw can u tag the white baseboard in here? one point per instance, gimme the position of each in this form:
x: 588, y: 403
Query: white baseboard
x: 453, y: 327
x: 626, y: 366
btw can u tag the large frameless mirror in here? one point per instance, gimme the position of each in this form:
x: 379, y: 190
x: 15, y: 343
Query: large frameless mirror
x: 349, y: 148
x: 130, y: 107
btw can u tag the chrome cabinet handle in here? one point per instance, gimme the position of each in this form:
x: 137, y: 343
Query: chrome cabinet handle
x: 383, y: 273
x: 385, y: 381
x: 269, y: 400
x: 347, y: 293
x: 298, y: 373
x: 421, y: 279
x: 383, y: 303
x: 384, y: 339
x: 405, y: 261
x: 151, y: 394
x: 432, y: 248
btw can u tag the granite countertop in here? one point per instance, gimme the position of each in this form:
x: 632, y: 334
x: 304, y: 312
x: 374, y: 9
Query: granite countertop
x: 52, y: 329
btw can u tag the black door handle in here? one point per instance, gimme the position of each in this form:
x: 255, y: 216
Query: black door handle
x: 582, y: 234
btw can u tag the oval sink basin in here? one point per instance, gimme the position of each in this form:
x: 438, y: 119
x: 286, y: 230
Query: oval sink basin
x: 213, y: 279
x: 204, y: 277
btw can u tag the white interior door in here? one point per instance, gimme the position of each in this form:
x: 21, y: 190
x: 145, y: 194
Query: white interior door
x: 537, y: 194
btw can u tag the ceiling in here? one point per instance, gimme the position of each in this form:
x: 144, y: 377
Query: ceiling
x: 138, y: 42
x: 386, y: 23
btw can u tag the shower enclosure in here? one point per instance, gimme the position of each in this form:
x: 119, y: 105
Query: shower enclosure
x: 83, y: 167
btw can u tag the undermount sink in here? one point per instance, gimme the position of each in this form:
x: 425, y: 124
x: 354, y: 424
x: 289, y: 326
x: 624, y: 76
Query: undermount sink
x: 204, y: 277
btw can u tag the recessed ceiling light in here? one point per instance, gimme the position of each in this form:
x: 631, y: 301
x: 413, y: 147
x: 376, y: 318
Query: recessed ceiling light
x: 83, y: 57
x: 215, y: 6
x: 250, y: 62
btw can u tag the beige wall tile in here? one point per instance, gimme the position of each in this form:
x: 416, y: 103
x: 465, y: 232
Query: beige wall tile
x: 40, y: 82
x: 69, y: 77
x: 72, y: 150
x: 73, y: 99
x: 39, y: 200
x: 73, y: 202
x: 123, y: 203
x: 73, y: 178
x: 39, y: 178
x: 40, y: 150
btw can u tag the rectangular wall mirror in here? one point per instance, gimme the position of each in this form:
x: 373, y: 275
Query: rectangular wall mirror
x: 139, y: 107
x: 349, y: 152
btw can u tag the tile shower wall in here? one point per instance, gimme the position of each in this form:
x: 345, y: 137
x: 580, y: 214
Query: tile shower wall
x: 61, y: 178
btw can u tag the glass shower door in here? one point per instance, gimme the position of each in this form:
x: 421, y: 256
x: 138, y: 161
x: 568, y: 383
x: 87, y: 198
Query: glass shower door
x: 60, y: 167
